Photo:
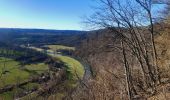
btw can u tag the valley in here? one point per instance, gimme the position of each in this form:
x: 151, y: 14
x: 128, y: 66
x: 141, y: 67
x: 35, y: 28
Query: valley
x: 14, y: 74
x: 85, y: 50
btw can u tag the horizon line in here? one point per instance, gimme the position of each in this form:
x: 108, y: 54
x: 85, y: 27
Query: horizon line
x: 42, y: 29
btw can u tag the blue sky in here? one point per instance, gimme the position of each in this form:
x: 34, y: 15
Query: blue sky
x: 46, y: 14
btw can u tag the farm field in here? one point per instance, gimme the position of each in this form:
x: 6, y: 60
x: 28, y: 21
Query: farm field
x: 11, y: 72
x: 11, y: 94
x: 60, y: 47
x: 75, y: 71
x: 74, y: 67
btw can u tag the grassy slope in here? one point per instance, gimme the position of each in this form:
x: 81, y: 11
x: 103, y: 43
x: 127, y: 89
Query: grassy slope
x: 163, y: 48
x: 60, y: 47
x: 75, y: 70
x: 9, y: 95
x: 17, y: 74
x: 74, y: 67
x: 14, y: 73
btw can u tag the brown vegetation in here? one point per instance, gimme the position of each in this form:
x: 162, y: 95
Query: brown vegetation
x: 128, y: 61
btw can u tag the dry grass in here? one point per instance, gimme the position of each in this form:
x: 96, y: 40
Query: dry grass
x: 164, y: 93
x: 163, y: 48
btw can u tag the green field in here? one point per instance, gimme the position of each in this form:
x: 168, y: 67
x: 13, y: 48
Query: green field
x: 10, y: 94
x: 75, y: 68
x: 12, y: 72
x: 75, y: 71
x: 16, y: 73
x: 60, y: 47
x: 11, y: 52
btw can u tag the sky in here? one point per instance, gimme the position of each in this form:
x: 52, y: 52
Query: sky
x: 44, y: 14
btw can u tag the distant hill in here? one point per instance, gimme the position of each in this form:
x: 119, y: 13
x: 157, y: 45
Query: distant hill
x: 39, y: 31
x: 41, y: 36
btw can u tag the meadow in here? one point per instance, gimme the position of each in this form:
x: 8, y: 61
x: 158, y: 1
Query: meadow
x: 75, y: 71
x: 60, y: 47
x: 74, y: 68
x: 11, y: 73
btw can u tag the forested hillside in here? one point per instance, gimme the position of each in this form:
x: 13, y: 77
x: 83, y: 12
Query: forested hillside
x: 128, y: 62
x: 41, y: 37
x: 125, y: 55
x: 108, y: 81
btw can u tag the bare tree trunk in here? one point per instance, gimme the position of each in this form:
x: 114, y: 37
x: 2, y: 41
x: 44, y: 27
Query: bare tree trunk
x: 124, y: 20
x: 127, y: 74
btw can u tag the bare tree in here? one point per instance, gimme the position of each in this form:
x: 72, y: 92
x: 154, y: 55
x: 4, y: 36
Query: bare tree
x: 133, y: 21
x: 167, y: 10
x: 165, y: 3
